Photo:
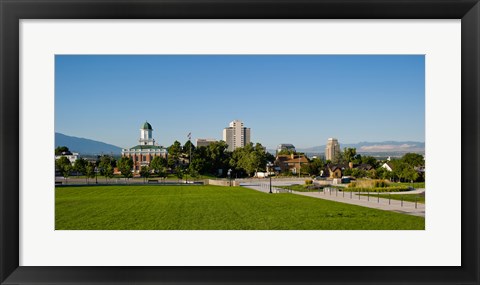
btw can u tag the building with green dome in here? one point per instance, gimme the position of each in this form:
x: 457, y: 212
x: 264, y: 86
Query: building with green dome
x: 146, y: 149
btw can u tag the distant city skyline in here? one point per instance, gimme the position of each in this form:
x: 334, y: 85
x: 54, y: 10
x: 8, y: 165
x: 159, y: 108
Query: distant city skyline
x: 297, y: 99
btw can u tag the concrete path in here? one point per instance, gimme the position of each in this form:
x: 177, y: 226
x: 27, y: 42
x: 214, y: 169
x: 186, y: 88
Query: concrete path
x: 352, y: 198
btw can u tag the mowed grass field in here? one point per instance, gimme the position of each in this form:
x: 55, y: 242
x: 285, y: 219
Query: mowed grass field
x: 158, y: 207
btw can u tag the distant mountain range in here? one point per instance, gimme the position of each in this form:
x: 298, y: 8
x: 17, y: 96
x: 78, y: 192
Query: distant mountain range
x: 89, y: 147
x: 86, y: 146
x: 376, y: 147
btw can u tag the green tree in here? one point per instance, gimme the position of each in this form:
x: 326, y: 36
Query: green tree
x: 188, y: 148
x: 348, y: 172
x: 370, y: 160
x: 218, y: 157
x: 192, y: 171
x: 103, y: 164
x: 125, y: 165
x: 145, y: 173
x: 61, y: 162
x: 349, y: 154
x: 61, y: 149
x: 250, y: 158
x: 358, y: 173
x: 400, y: 168
x: 413, y: 159
x: 174, y: 153
x: 66, y: 171
x: 179, y: 172
x: 79, y: 165
x: 286, y: 152
x: 158, y: 164
x: 89, y: 171
x: 108, y: 172
x: 64, y: 166
x: 410, y: 174
x: 372, y: 174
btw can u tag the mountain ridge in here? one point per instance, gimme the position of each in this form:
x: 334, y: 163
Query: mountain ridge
x: 372, y: 147
x: 88, y: 146
x: 85, y: 146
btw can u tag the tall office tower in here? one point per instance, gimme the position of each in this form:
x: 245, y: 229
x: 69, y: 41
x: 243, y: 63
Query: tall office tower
x: 332, y: 150
x: 236, y: 135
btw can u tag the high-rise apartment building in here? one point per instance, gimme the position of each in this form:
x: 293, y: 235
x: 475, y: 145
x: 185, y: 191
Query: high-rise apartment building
x: 332, y: 150
x: 236, y: 135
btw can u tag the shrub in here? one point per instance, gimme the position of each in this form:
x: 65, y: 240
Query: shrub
x: 380, y: 183
x: 352, y: 184
x: 308, y: 182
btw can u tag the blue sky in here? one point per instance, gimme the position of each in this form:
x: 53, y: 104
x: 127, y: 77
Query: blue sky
x: 298, y: 99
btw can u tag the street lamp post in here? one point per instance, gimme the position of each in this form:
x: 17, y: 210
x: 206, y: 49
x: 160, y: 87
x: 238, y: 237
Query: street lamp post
x: 270, y: 185
x: 96, y: 171
x: 229, y: 174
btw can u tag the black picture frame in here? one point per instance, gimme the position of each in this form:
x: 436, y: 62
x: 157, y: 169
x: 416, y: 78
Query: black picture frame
x: 11, y: 11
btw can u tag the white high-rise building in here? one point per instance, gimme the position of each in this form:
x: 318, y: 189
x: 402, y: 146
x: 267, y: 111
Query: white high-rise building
x: 236, y: 135
x: 332, y: 150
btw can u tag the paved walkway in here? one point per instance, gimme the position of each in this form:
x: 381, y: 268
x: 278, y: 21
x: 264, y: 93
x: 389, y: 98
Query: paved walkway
x: 371, y: 201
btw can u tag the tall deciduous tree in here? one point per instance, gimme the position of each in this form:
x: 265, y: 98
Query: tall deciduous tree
x: 108, y: 172
x: 145, y: 173
x: 413, y: 159
x: 349, y: 154
x: 125, y: 165
x: 250, y: 158
x: 64, y: 166
x: 175, y: 149
x: 61, y: 149
x: 89, y: 171
x: 370, y: 160
x: 158, y: 164
x: 103, y: 164
x: 79, y: 165
x: 188, y: 148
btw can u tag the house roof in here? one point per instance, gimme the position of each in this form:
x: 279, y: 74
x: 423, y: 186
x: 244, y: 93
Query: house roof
x: 389, y: 165
x: 288, y: 158
x: 364, y: 166
x: 333, y: 167
x: 302, y: 159
x: 146, y: 147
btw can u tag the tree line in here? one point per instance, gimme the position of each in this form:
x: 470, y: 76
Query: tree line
x: 213, y: 160
x: 216, y: 160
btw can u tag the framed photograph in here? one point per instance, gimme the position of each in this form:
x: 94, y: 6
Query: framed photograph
x: 238, y: 142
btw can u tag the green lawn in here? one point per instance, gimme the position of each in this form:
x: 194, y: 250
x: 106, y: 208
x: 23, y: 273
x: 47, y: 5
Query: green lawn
x: 300, y: 188
x: 399, y: 197
x: 159, y: 207
x: 416, y: 185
